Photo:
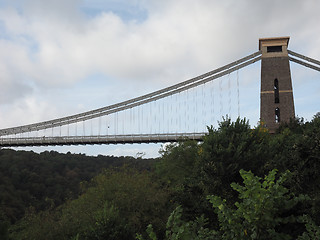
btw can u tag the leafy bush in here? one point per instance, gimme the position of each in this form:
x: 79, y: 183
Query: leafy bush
x: 263, y: 211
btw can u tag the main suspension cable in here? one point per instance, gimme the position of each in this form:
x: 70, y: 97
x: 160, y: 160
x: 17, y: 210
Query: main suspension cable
x: 137, y: 101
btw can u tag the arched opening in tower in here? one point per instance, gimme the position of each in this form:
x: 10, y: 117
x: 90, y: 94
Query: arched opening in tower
x: 277, y: 115
x: 276, y: 91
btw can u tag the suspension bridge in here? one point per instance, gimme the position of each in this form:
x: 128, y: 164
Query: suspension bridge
x: 181, y: 111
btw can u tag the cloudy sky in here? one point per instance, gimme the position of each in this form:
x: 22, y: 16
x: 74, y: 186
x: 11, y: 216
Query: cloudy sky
x: 67, y: 56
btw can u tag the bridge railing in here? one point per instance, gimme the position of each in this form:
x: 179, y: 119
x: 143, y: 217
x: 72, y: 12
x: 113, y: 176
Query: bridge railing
x: 100, y: 139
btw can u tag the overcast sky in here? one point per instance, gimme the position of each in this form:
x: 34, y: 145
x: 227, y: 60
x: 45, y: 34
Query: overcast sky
x: 67, y: 56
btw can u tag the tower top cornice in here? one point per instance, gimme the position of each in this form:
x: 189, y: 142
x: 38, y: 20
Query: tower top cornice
x: 274, y: 47
x: 274, y: 41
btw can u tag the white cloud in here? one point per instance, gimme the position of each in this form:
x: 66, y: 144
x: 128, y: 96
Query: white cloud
x: 28, y: 110
x: 180, y: 38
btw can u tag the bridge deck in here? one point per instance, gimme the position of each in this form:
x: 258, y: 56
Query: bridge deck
x: 103, y: 139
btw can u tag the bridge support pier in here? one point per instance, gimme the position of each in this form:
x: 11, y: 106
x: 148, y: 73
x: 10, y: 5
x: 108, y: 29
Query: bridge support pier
x: 276, y: 96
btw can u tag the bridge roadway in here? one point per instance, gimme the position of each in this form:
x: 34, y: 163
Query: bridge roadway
x: 99, y: 139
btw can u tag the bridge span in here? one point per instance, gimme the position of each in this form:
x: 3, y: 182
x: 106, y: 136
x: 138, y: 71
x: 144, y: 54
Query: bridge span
x: 99, y: 139
x: 172, y: 113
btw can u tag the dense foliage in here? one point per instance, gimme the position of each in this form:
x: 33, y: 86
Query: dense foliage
x: 39, y: 181
x: 192, y: 182
x: 115, y: 205
x: 264, y: 211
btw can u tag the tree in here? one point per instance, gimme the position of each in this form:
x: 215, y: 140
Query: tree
x: 4, y: 225
x: 194, y: 170
x: 178, y: 161
x: 262, y: 213
x: 115, y: 204
x: 265, y: 210
x: 179, y: 229
x: 226, y: 150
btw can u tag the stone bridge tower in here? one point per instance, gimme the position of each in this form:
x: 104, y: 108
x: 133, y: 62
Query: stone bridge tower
x: 276, y: 97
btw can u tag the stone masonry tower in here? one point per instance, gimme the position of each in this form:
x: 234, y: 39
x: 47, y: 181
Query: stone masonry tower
x: 276, y: 97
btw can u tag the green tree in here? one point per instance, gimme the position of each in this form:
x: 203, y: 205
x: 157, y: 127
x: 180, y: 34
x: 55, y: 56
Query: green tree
x: 4, y: 225
x: 194, y: 170
x: 226, y: 150
x: 179, y: 229
x: 177, y: 170
x: 297, y: 148
x: 115, y: 204
x: 178, y: 161
x: 262, y: 213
